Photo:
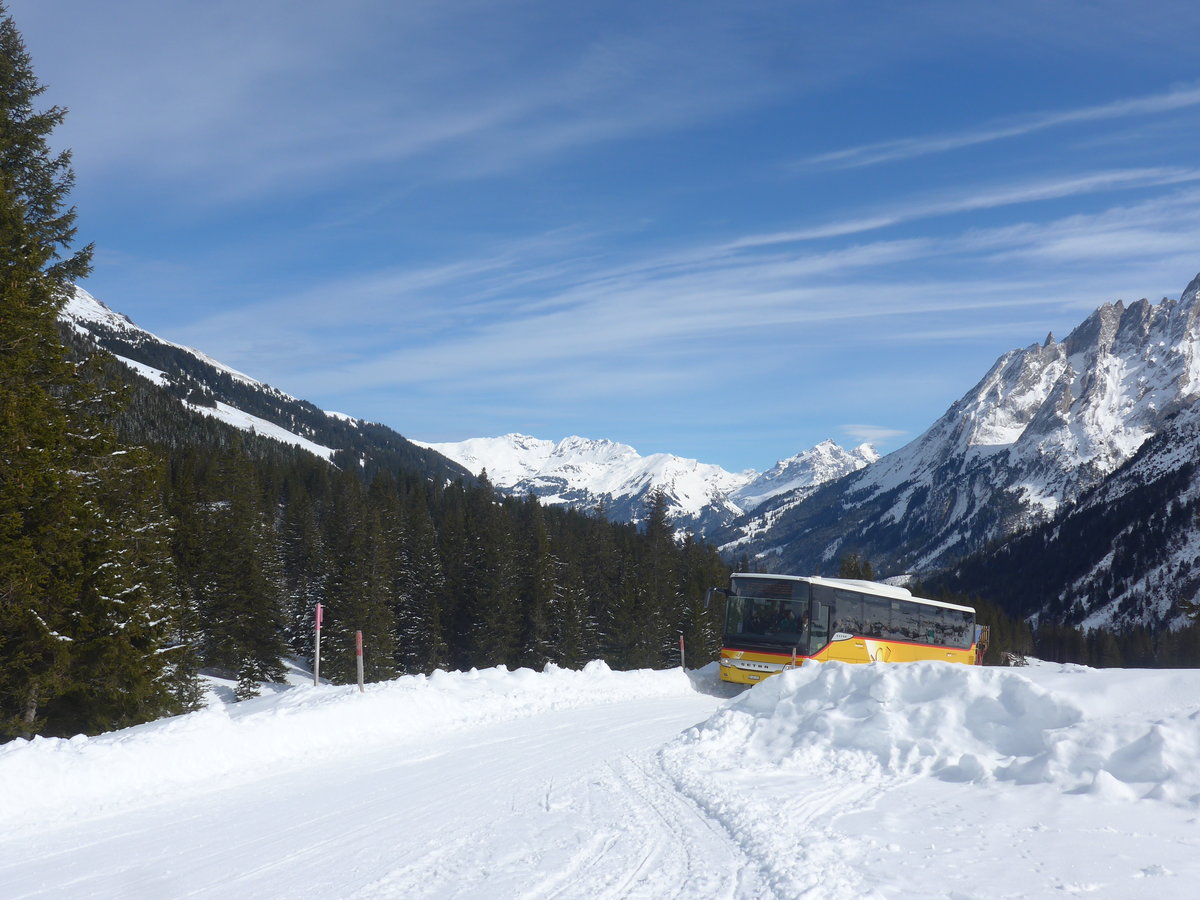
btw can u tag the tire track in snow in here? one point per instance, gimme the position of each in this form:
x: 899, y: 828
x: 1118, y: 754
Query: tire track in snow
x: 783, y: 825
x: 666, y: 848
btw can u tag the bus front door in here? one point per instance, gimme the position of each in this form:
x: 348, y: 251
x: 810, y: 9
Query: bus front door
x: 818, y: 635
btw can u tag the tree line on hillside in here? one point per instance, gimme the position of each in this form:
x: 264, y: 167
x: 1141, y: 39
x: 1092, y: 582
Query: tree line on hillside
x: 434, y: 575
x: 233, y: 539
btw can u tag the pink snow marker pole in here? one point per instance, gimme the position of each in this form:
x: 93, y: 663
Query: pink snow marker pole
x: 359, y: 656
x: 682, y: 659
x: 317, y: 615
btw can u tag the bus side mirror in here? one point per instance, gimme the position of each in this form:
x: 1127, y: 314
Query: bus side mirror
x: 712, y: 592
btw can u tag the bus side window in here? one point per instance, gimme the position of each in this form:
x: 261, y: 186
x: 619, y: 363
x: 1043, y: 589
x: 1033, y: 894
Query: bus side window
x: 877, y: 617
x: 934, y: 631
x: 906, y: 621
x: 896, y: 622
x: 964, y: 627
x: 849, y: 618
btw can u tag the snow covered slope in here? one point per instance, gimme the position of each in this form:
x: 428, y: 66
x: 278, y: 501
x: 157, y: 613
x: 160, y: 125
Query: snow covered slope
x: 916, y: 780
x: 209, y: 388
x: 586, y: 473
x: 1122, y: 555
x: 1045, y: 424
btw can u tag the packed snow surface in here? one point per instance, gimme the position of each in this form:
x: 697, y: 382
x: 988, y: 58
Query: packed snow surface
x: 925, y: 779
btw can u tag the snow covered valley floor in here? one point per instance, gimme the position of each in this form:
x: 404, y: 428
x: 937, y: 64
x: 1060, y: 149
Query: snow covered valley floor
x: 919, y: 780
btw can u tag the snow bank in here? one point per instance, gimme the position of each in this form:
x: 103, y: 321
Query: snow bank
x: 54, y: 778
x: 786, y: 766
x: 961, y: 724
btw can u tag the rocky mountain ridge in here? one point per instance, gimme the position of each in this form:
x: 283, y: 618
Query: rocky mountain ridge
x: 205, y: 387
x: 1046, y: 424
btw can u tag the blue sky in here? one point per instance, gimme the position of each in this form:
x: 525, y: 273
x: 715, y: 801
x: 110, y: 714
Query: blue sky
x: 722, y: 230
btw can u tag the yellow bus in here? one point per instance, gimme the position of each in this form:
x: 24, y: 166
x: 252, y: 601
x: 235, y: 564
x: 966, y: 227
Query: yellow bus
x: 775, y: 622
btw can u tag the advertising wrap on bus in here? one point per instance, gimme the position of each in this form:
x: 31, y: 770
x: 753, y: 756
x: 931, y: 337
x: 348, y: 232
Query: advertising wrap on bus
x: 775, y: 622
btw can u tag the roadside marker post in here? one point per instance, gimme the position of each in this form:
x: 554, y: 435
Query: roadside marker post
x: 317, y: 648
x: 682, y: 658
x: 358, y: 654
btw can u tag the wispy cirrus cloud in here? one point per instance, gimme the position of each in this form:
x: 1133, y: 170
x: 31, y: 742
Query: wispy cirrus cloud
x: 981, y: 199
x: 280, y: 96
x: 548, y: 328
x: 913, y: 147
x: 508, y: 319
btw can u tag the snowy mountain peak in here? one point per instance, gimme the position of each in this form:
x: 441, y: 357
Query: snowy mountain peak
x: 587, y: 473
x: 803, y: 473
x: 1189, y: 295
x: 83, y: 307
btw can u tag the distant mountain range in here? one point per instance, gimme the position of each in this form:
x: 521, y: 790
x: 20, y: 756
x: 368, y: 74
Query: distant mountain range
x: 591, y: 474
x: 575, y: 471
x: 1064, y: 483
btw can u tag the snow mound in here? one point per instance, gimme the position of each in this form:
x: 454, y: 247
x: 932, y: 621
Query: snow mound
x: 821, y: 773
x: 242, y: 742
x: 882, y: 723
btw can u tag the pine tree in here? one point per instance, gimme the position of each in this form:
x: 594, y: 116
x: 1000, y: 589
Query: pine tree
x: 657, y: 612
x: 451, y: 525
x: 602, y: 572
x: 40, y: 179
x: 128, y: 658
x: 239, y: 595
x: 570, y: 634
x: 490, y: 582
x: 39, y: 497
x: 85, y: 604
x: 304, y: 570
x: 419, y: 592
x: 540, y: 589
x: 357, y: 592
x: 701, y: 627
x: 854, y: 566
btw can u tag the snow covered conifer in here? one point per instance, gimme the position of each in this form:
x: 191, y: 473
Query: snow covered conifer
x: 40, y: 178
x: 357, y: 594
x: 539, y: 589
x: 238, y: 594
x: 79, y: 628
x: 491, y: 582
x: 419, y: 593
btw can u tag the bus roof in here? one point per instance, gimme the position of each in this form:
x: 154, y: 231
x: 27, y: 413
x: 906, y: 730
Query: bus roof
x: 876, y: 588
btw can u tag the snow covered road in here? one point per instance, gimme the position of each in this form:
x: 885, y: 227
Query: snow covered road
x: 831, y: 781
x: 541, y: 803
x: 556, y: 805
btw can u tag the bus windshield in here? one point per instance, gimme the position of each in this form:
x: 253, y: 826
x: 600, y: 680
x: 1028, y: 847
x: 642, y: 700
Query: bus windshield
x: 763, y: 611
